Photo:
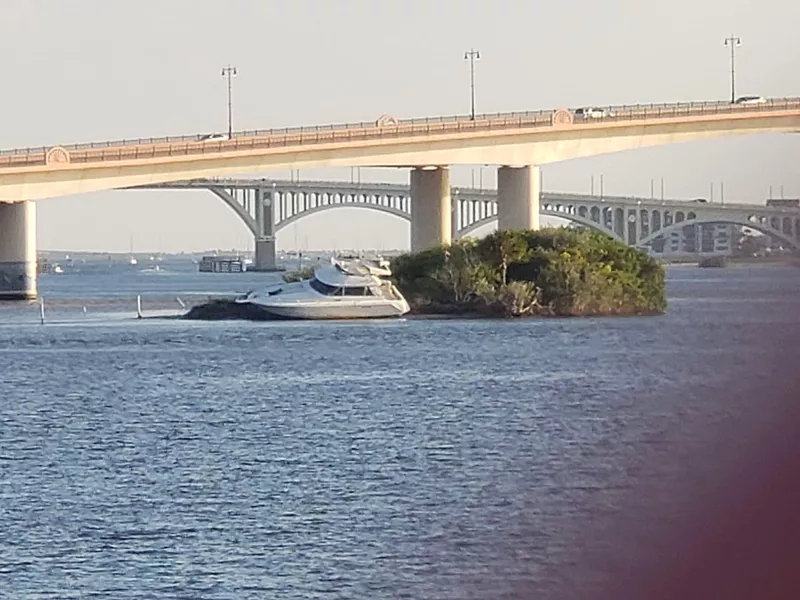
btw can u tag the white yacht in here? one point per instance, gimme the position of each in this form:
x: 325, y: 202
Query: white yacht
x: 357, y: 289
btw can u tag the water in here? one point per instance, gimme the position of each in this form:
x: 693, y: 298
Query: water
x: 403, y: 459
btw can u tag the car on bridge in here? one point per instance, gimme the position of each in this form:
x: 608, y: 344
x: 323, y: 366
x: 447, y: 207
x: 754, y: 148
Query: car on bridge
x: 751, y: 100
x: 592, y: 113
x: 213, y: 137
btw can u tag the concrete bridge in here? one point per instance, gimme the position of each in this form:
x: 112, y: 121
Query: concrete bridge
x: 266, y: 206
x: 519, y: 142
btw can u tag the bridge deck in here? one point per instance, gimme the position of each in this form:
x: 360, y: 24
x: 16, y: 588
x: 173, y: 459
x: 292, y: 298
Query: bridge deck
x: 386, y: 128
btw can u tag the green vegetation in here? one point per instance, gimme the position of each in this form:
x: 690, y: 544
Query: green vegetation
x: 558, y: 272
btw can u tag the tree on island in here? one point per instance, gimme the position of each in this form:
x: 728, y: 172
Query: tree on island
x: 503, y: 248
x: 546, y: 272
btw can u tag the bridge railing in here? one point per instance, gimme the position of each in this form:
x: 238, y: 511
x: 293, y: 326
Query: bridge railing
x: 141, y: 148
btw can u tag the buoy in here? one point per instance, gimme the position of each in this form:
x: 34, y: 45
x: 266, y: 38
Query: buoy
x: 138, y: 307
x: 41, y: 310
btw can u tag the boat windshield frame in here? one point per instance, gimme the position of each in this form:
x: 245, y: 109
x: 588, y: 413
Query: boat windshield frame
x: 352, y: 291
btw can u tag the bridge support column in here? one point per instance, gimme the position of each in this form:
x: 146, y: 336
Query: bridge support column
x: 518, y: 192
x: 17, y: 251
x: 265, y: 259
x: 265, y: 255
x: 431, y: 210
x: 455, y: 220
x: 626, y: 226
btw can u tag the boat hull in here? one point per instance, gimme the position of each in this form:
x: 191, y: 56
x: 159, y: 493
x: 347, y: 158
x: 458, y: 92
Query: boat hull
x: 333, y: 311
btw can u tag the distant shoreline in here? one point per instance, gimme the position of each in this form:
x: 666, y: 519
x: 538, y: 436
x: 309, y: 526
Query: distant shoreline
x: 741, y: 261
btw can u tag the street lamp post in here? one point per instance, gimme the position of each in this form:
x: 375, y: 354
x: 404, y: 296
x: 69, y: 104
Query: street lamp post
x: 229, y: 72
x: 472, y: 56
x: 733, y: 42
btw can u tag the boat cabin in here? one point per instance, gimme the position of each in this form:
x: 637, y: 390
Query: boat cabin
x: 338, y: 281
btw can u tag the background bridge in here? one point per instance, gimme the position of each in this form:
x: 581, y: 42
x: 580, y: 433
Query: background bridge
x: 663, y: 227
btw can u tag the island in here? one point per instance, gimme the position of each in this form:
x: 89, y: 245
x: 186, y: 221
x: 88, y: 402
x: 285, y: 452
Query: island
x: 548, y: 272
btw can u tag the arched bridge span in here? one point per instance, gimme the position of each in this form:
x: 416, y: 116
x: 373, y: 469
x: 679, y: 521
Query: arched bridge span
x: 267, y: 206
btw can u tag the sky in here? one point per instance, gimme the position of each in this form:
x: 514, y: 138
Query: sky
x: 91, y: 70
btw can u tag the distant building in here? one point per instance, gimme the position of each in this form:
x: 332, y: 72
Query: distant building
x: 43, y: 265
x: 222, y: 264
x: 718, y: 239
x: 784, y: 202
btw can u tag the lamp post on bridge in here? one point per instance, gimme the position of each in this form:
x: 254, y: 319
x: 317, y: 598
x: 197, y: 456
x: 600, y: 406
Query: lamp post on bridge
x: 229, y: 72
x: 471, y: 56
x: 733, y: 42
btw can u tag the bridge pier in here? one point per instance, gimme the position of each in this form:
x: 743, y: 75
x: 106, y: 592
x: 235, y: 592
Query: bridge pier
x: 18, y: 251
x: 265, y: 259
x: 431, y: 208
x: 627, y: 226
x: 265, y: 255
x: 518, y: 194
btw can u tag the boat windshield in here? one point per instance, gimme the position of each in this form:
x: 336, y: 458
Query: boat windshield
x: 324, y: 288
x: 331, y: 290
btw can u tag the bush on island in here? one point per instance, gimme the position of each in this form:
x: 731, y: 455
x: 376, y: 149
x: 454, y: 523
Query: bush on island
x: 556, y: 271
x: 300, y: 274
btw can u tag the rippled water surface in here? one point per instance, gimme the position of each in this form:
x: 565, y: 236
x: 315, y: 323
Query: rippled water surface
x: 419, y: 459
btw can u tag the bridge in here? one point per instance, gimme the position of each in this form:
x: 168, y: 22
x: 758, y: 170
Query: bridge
x: 660, y: 226
x: 519, y: 142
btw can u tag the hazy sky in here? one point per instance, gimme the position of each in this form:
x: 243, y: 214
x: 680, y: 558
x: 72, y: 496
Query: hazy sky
x: 86, y: 70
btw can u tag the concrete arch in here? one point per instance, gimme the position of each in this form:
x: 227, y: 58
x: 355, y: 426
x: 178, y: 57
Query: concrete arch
x: 475, y: 225
x: 574, y: 218
x: 763, y: 228
x: 237, y: 208
x: 389, y: 210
